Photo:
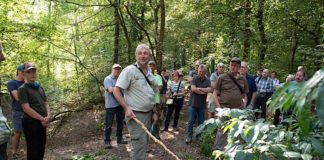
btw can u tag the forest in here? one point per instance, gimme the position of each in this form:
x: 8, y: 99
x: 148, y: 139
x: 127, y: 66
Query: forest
x: 74, y: 43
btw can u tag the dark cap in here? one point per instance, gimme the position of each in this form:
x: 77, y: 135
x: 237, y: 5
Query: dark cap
x: 20, y: 68
x: 235, y: 59
x: 28, y: 66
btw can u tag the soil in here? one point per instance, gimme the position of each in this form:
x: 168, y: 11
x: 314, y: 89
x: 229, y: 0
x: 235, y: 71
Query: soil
x: 81, y: 134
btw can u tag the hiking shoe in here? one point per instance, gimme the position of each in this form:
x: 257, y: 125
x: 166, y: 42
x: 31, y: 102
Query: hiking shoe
x: 121, y: 141
x: 188, y: 140
x: 108, y: 145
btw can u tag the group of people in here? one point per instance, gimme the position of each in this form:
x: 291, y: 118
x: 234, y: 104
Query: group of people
x: 138, y: 91
x: 30, y: 113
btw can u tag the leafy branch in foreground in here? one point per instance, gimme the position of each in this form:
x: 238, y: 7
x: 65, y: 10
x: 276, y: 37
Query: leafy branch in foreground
x: 249, y: 139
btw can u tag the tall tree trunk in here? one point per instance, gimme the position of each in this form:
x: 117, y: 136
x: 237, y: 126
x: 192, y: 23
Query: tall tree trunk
x: 159, y: 53
x: 48, y: 71
x: 294, y: 45
x: 183, y: 57
x: 264, y: 42
x: 128, y: 40
x: 2, y: 58
x: 116, y: 34
x: 247, y: 30
x: 75, y: 42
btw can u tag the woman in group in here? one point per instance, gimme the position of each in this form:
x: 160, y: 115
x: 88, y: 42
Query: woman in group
x: 176, y: 90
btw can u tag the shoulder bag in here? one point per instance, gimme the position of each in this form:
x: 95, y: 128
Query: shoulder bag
x: 171, y: 100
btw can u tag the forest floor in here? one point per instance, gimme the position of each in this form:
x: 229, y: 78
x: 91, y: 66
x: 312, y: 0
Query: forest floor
x: 81, y: 134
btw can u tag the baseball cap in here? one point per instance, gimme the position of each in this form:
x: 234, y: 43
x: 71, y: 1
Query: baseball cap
x: 220, y: 64
x: 116, y: 65
x: 151, y: 62
x: 28, y: 66
x: 235, y: 59
x: 300, y: 67
x: 20, y: 68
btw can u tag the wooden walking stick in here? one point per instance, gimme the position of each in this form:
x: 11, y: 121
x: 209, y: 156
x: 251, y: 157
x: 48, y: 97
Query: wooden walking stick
x: 155, y: 139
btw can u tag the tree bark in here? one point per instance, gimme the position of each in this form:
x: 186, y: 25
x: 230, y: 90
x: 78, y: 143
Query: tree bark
x: 116, y: 34
x: 294, y: 45
x: 247, y: 30
x: 128, y: 40
x: 2, y: 57
x: 160, y: 51
x: 264, y: 42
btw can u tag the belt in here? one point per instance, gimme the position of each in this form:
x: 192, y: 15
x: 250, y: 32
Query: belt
x: 142, y: 111
x: 265, y: 92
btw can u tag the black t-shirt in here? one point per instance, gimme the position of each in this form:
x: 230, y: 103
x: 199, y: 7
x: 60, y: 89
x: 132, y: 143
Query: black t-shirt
x: 35, y: 97
x: 199, y: 100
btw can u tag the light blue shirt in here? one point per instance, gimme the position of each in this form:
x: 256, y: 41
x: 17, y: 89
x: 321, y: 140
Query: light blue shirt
x: 110, y: 101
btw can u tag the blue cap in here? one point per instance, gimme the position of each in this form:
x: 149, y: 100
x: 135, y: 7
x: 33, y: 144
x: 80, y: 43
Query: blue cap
x: 20, y: 68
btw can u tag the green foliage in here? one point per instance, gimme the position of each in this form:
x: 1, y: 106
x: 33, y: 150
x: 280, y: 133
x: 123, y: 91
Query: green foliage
x: 207, y: 140
x: 302, y: 98
x: 84, y: 157
x: 249, y: 139
x: 100, y: 152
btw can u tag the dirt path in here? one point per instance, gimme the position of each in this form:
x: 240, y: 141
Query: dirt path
x: 82, y: 134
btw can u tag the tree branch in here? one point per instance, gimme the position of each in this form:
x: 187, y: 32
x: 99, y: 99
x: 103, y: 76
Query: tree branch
x: 142, y: 28
x: 78, y: 61
x: 83, y: 5
x: 89, y: 16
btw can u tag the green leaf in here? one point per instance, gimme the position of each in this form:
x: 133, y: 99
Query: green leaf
x: 318, y: 146
x: 304, y: 120
x: 244, y: 155
x: 218, y: 154
x: 231, y: 125
x: 278, y: 148
x: 306, y: 156
x: 305, y: 147
x: 320, y: 103
x: 265, y: 156
x: 292, y: 154
x: 287, y: 102
x: 256, y: 133
x: 264, y: 148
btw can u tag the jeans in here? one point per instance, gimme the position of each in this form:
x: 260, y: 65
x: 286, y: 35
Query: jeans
x: 176, y: 106
x: 3, y: 151
x: 35, y: 135
x: 195, y: 113
x: 110, y: 114
x: 261, y: 103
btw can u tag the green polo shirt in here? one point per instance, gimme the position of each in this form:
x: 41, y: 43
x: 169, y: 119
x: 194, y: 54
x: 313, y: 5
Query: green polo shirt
x: 158, y: 81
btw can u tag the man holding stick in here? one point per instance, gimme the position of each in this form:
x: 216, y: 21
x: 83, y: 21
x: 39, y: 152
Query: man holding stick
x: 138, y: 101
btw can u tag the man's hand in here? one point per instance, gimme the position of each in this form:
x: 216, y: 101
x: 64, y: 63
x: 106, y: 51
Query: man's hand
x: 129, y: 113
x: 154, y: 117
x: 45, y: 121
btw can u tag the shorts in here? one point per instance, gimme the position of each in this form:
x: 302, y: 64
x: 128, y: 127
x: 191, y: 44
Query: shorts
x: 211, y: 103
x: 17, y: 120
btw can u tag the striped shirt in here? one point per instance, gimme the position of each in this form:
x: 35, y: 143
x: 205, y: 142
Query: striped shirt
x: 173, y: 86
